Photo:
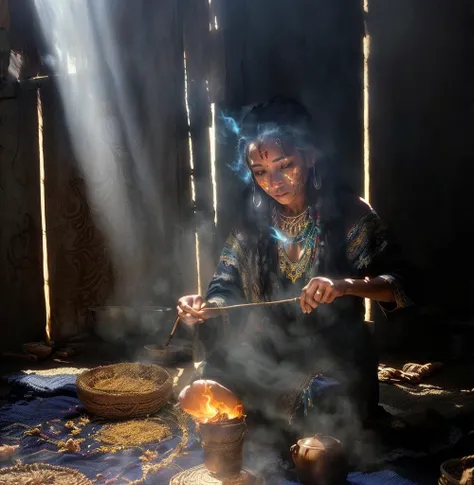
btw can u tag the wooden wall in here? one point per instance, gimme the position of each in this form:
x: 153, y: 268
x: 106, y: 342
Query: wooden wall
x: 119, y: 198
x: 199, y: 44
x: 21, y: 282
x: 89, y: 265
x: 420, y: 130
x: 311, y: 51
x: 422, y: 143
x: 253, y: 50
x: 80, y: 266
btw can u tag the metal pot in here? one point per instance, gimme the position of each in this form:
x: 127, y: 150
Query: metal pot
x: 171, y: 355
x: 452, y: 471
x: 320, y: 460
x: 222, y: 444
x: 116, y: 324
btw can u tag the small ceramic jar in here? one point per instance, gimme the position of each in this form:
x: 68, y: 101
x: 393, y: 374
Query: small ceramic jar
x: 320, y: 460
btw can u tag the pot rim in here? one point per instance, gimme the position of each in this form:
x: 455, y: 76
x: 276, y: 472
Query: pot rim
x: 334, y: 441
x: 228, y: 422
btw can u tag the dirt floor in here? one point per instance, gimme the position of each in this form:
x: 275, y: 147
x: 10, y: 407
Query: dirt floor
x: 91, y: 353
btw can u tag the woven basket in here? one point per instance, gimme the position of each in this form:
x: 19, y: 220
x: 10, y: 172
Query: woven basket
x: 451, y: 470
x: 124, y: 405
x: 42, y: 473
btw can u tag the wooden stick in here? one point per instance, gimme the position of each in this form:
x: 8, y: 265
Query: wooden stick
x: 173, y: 331
x: 247, y: 305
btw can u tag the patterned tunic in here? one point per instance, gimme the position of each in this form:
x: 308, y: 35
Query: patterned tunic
x: 281, y: 353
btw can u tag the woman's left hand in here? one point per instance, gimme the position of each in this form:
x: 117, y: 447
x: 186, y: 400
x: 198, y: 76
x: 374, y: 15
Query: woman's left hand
x: 320, y: 290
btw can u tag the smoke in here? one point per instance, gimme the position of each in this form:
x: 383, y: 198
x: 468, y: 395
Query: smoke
x: 230, y: 125
x: 264, y: 363
x: 123, y: 121
x: 68, y: 28
x: 230, y: 131
x: 120, y: 141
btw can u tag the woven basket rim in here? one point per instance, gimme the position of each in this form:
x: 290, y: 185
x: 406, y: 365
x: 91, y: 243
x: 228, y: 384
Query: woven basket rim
x: 446, y: 468
x: 82, y: 380
x: 79, y: 477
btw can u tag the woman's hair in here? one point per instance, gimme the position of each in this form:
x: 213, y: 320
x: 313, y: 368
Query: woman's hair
x: 282, y: 116
x: 289, y: 121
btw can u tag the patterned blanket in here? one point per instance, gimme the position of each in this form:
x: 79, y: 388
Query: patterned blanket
x: 56, y: 430
x: 39, y: 385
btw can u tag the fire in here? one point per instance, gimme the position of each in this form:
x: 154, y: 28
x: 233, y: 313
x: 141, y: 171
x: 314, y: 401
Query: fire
x: 213, y: 410
x: 209, y: 402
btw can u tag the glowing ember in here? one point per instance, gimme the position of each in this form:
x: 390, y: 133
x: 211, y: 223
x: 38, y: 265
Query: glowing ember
x: 209, y: 402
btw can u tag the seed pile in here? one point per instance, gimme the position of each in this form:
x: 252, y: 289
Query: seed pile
x: 136, y: 432
x: 122, y: 383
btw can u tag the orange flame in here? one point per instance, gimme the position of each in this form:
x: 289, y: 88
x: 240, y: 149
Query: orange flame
x: 210, y: 410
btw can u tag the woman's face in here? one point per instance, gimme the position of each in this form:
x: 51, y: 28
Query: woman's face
x: 281, y: 171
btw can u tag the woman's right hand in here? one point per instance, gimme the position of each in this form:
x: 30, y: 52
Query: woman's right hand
x: 191, y: 309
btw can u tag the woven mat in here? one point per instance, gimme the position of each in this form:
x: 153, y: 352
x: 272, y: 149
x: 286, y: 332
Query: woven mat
x: 36, y: 411
x: 42, y: 473
x: 384, y: 477
x: 445, y: 391
x: 403, y: 398
x: 43, y: 385
x: 201, y: 476
x: 55, y: 371
x: 433, y: 395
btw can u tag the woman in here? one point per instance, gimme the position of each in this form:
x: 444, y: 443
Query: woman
x: 299, y: 235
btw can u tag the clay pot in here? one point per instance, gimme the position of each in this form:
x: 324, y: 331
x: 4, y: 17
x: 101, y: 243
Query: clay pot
x: 38, y: 349
x: 320, y: 460
x: 222, y: 444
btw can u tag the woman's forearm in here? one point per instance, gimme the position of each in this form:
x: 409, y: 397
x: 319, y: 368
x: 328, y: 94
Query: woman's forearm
x: 378, y: 289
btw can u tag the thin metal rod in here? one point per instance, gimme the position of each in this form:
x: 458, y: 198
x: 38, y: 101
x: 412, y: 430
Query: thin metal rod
x: 231, y: 307
x: 247, y: 305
